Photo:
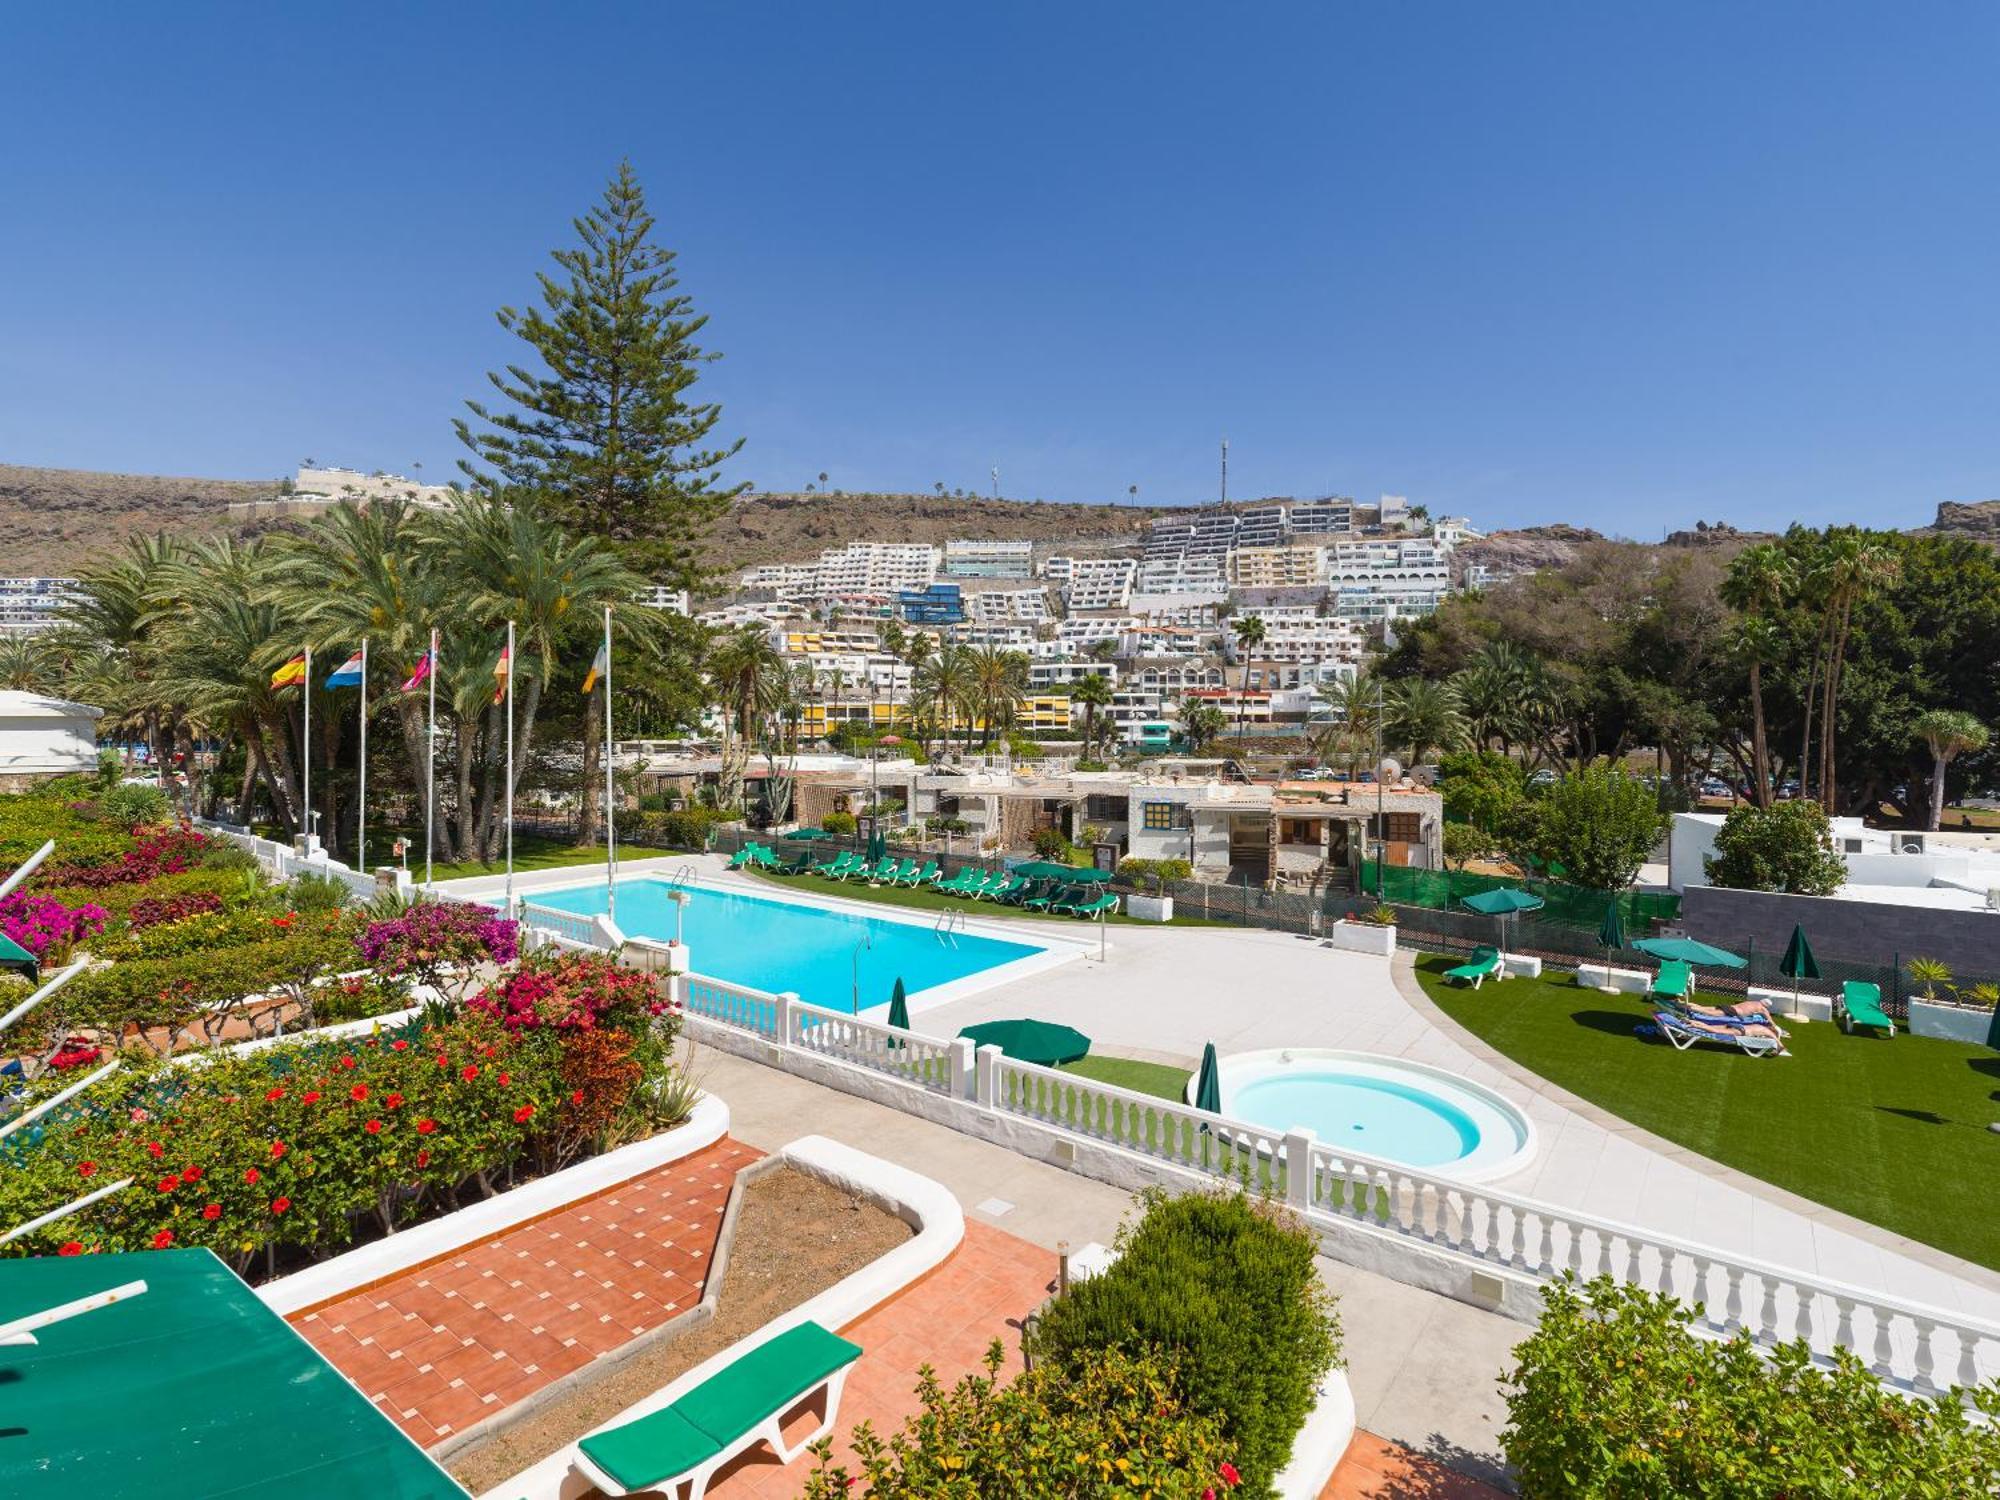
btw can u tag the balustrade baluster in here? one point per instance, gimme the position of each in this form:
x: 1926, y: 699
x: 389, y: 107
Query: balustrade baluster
x: 1924, y: 1361
x: 1885, y: 1352
x: 1665, y: 1284
x: 1767, y: 1316
x: 1733, y: 1307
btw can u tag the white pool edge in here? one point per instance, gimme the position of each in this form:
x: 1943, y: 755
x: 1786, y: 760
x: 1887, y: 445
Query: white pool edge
x: 1506, y: 1166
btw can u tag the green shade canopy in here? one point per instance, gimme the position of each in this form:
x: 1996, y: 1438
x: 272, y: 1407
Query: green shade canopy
x: 1688, y: 951
x: 1798, y: 962
x: 899, y: 1006
x: 14, y: 956
x: 1076, y: 874
x: 808, y: 834
x: 193, y: 1388
x: 1612, y: 933
x: 1208, y: 1087
x: 1042, y: 1042
x: 1501, y: 901
x: 877, y: 846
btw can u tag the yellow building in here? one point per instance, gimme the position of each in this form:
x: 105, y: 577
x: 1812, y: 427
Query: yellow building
x: 1044, y: 713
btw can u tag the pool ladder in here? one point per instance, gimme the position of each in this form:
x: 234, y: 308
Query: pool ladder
x: 685, y: 875
x: 948, y: 922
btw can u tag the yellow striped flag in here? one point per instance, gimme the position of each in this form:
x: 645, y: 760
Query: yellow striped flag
x: 291, y: 673
x: 599, y: 665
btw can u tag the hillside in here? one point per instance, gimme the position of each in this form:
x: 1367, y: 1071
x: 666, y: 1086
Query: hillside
x: 54, y: 520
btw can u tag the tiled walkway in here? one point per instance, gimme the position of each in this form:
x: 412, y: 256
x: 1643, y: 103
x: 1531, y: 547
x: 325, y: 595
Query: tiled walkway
x: 451, y: 1343
x: 1375, y: 1469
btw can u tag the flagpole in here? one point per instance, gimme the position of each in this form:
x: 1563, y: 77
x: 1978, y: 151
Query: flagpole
x: 430, y: 762
x: 610, y: 785
x: 361, y: 811
x: 510, y: 768
x: 307, y: 812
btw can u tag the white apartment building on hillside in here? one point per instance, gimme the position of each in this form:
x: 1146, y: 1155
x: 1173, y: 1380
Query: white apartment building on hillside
x: 877, y: 568
x: 1099, y: 583
x: 28, y: 605
x: 978, y: 558
x: 998, y: 606
x: 1185, y: 575
x: 352, y: 484
x: 1296, y: 565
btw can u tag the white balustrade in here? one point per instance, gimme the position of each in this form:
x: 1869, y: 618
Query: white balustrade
x: 943, y: 1067
x: 733, y: 1005
x: 570, y: 926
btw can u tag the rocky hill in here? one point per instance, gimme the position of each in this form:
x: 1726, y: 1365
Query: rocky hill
x: 1979, y: 521
x: 53, y: 521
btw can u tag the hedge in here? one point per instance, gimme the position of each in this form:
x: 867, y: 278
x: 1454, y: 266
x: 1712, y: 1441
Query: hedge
x: 1615, y: 1397
x: 1224, y: 1286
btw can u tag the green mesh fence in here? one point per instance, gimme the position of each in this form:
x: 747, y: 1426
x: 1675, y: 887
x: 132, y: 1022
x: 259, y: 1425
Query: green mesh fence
x: 1563, y: 905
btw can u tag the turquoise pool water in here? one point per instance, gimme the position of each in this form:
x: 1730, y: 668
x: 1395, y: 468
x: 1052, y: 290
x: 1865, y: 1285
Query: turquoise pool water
x: 817, y: 954
x: 1375, y: 1116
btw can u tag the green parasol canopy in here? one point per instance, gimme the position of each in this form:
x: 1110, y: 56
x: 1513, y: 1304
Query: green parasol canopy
x: 14, y: 956
x: 1798, y: 962
x: 1688, y: 951
x: 899, y: 1006
x: 1612, y: 933
x: 1208, y: 1087
x: 877, y: 847
x: 1041, y: 1042
x: 1076, y: 874
x: 191, y: 1388
x: 808, y: 834
x: 1501, y: 901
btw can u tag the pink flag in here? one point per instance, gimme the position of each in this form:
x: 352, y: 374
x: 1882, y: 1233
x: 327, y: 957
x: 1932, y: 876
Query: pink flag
x: 421, y: 671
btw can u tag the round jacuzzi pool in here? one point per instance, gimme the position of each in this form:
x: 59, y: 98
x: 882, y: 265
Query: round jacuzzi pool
x: 1379, y: 1106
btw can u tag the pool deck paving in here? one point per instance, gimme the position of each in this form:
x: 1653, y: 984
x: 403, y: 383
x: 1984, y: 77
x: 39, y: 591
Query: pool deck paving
x: 451, y: 1343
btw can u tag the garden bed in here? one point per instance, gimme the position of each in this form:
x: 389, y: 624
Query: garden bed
x: 795, y: 1235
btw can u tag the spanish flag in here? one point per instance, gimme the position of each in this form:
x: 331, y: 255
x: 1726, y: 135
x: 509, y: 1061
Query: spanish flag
x: 599, y: 665
x: 291, y: 673
x: 500, y: 670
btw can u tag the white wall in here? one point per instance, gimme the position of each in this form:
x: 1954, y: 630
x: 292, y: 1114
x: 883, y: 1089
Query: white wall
x: 38, y: 745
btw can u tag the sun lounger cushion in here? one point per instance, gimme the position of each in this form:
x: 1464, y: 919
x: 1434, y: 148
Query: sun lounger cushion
x: 744, y: 1393
x: 1861, y: 1005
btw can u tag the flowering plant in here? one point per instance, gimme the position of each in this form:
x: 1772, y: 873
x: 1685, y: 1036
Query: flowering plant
x: 155, y: 852
x: 570, y: 992
x: 157, y: 911
x: 431, y: 938
x: 46, y: 927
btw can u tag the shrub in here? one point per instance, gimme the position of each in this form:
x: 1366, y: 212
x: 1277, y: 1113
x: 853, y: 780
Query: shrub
x: 315, y: 893
x: 1787, y: 846
x: 46, y: 927
x: 838, y: 823
x: 1134, y: 871
x: 1599, y: 824
x: 570, y: 992
x: 156, y: 911
x: 134, y: 804
x: 1224, y: 1287
x: 433, y: 938
x: 1050, y: 844
x: 121, y: 900
x: 1614, y: 1397
x: 204, y: 932
x: 157, y: 852
x: 1110, y: 1424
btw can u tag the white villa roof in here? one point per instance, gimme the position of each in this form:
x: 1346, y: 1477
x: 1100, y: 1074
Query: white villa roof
x: 19, y: 705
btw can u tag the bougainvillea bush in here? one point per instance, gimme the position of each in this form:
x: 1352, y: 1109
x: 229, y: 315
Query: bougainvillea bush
x: 157, y: 911
x: 46, y: 927
x: 300, y: 1146
x: 430, y: 942
x: 154, y: 852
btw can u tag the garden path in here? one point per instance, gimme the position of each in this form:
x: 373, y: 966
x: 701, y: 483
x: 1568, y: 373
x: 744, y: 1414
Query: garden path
x: 451, y: 1343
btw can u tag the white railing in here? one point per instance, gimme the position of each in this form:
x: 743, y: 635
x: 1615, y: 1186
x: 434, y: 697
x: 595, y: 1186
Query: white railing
x: 286, y: 863
x: 568, y: 925
x: 1907, y: 1345
x: 942, y: 1067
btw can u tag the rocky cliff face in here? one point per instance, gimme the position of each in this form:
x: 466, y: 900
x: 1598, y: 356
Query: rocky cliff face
x: 1978, y: 520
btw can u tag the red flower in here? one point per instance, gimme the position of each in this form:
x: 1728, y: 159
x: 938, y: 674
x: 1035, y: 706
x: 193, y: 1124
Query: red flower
x: 71, y: 1247
x: 155, y: 1149
x: 213, y: 1211
x: 522, y: 1114
x: 86, y: 1169
x: 163, y: 1239
x: 278, y: 1149
x: 347, y: 1061
x: 1229, y: 1475
x: 310, y: 1096
x: 391, y: 1101
x: 443, y: 1061
x: 373, y: 1127
x: 168, y: 1184
x: 190, y: 1174
x: 358, y: 1092
x: 252, y: 1176
x: 505, y: 1079
x: 426, y: 1126
x: 279, y: 1205
x: 399, y: 1046
x: 577, y: 1097
x: 423, y: 1158
x: 469, y: 1072
x: 273, y: 1095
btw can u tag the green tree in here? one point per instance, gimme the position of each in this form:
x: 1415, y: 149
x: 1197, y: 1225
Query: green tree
x: 999, y: 682
x: 1787, y: 846
x: 1463, y: 843
x: 1759, y: 582
x: 1949, y: 733
x: 1483, y: 787
x: 1599, y: 824
x: 1250, y: 634
x: 1094, y: 693
x: 1421, y: 716
x: 1201, y: 725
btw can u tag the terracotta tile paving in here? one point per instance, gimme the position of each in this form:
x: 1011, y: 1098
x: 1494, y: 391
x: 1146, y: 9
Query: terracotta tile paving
x: 456, y: 1341
x: 1377, y: 1469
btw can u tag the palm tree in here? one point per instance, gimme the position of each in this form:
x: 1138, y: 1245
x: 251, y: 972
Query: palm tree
x: 1094, y: 693
x: 22, y: 666
x: 1000, y: 681
x: 1856, y: 567
x: 1421, y: 715
x: 1348, y: 716
x: 747, y: 676
x: 1491, y: 689
x: 1249, y: 632
x: 1759, y: 581
x: 1201, y: 723
x: 1950, y: 733
x: 947, y: 685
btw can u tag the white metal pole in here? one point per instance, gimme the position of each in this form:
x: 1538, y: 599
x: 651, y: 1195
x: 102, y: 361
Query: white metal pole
x: 361, y: 816
x: 29, y: 1116
x: 510, y: 768
x: 22, y: 1330
x: 430, y: 763
x: 56, y: 983
x: 307, y: 812
x: 28, y: 867
x: 55, y: 1214
x: 610, y: 785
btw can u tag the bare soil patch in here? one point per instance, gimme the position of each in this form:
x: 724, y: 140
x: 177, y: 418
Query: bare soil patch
x: 795, y: 1237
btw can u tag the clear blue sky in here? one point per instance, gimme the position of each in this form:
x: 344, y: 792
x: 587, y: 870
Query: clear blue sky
x: 1616, y: 264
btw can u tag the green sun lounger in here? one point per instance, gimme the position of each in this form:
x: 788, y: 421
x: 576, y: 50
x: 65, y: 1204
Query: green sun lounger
x: 928, y: 875
x: 1476, y: 970
x: 956, y: 886
x: 745, y: 856
x: 836, y: 867
x: 739, y: 1406
x: 1675, y: 980
x: 798, y: 864
x: 1103, y: 901
x: 1861, y: 1005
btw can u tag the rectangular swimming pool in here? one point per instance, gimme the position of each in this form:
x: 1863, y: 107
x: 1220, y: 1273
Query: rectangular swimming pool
x: 825, y: 957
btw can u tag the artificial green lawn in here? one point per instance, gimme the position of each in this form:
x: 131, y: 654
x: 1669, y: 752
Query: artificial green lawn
x: 1891, y: 1130
x: 1129, y: 1073
x: 924, y: 899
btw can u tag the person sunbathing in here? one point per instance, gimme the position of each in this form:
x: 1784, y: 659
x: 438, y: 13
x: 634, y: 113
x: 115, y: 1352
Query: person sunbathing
x: 1736, y: 1013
